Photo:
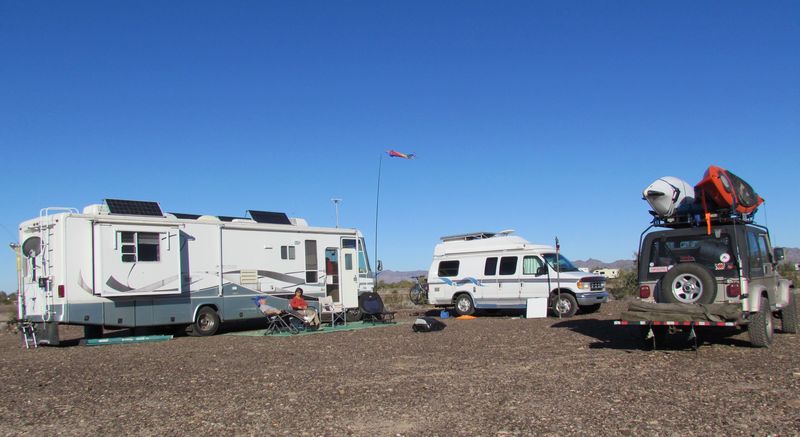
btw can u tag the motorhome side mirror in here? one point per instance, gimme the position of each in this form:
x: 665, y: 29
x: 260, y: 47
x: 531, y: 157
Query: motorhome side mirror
x: 541, y: 271
x: 779, y: 255
x: 379, y: 266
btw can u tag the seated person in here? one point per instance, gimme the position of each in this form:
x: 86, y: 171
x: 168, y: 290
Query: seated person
x: 301, y: 307
x: 266, y: 309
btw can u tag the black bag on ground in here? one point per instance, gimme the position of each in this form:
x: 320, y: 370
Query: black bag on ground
x: 427, y: 324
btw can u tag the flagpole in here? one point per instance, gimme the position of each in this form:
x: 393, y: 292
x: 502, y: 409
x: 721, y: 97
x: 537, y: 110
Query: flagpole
x: 377, y: 200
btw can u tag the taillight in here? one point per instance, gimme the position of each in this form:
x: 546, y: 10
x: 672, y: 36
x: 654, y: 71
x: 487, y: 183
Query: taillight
x: 61, y: 291
x: 644, y: 291
x: 733, y: 290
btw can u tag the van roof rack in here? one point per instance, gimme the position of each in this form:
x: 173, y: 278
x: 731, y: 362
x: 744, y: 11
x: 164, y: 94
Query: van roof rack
x: 469, y: 236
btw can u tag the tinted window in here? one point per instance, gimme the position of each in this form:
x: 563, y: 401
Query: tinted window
x: 311, y: 261
x: 755, y: 254
x: 490, y: 269
x: 348, y: 243
x: 448, y: 268
x: 713, y: 253
x: 508, y: 265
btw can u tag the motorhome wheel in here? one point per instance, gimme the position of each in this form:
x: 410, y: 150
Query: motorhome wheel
x: 688, y: 283
x: 464, y: 305
x: 760, y: 328
x: 565, y: 304
x: 207, y: 322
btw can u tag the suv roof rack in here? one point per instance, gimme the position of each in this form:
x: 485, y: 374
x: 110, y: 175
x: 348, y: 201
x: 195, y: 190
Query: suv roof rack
x: 696, y: 220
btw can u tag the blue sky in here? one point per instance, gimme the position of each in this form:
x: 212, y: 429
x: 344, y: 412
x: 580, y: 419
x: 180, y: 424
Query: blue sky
x: 544, y: 117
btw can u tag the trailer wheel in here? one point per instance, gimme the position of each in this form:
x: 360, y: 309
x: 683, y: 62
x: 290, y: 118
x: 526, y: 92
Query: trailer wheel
x: 206, y: 324
x: 760, y: 328
x: 564, y: 304
x: 790, y: 323
x: 92, y: 331
x: 688, y: 283
x: 464, y: 305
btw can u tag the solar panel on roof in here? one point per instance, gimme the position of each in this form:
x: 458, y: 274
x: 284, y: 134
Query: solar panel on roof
x: 276, y: 218
x: 185, y: 216
x: 133, y: 207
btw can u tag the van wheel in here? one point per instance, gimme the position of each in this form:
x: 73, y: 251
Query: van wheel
x: 790, y: 323
x: 206, y: 324
x: 464, y: 305
x: 760, y: 328
x: 564, y: 304
x: 688, y: 283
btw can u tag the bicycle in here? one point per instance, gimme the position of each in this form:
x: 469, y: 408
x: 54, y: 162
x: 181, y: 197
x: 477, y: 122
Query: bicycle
x: 418, y: 293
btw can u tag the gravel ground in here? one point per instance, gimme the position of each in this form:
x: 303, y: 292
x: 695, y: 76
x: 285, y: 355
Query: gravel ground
x: 490, y: 376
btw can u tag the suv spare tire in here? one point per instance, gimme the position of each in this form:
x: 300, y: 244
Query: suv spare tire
x: 688, y: 283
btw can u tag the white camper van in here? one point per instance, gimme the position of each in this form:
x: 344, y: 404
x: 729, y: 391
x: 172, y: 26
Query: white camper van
x: 485, y: 270
x: 127, y: 264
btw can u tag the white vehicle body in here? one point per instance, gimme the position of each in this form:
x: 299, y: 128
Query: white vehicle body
x: 117, y: 270
x: 502, y: 271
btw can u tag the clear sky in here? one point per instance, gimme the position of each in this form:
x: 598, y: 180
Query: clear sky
x: 544, y: 117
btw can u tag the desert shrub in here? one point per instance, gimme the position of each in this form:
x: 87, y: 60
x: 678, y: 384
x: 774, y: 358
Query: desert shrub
x: 627, y: 284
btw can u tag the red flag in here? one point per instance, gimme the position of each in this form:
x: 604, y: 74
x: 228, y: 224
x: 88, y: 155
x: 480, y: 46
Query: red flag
x: 395, y: 154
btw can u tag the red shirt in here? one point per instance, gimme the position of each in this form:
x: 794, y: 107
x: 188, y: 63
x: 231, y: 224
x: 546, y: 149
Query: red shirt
x: 298, y: 303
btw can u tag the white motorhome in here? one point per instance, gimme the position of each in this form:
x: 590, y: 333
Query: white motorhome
x: 127, y: 264
x: 486, y: 270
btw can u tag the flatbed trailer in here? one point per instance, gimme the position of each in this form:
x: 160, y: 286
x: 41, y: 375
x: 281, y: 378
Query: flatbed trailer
x: 671, y: 326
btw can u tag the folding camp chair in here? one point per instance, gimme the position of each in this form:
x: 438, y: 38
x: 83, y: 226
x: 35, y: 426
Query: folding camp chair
x: 280, y: 320
x: 335, y: 310
x: 372, y: 309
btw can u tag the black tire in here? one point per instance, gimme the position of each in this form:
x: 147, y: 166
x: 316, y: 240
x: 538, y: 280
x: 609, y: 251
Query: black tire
x: 417, y: 295
x: 565, y: 304
x: 464, y: 305
x: 589, y: 309
x: 760, y: 328
x: 790, y: 322
x: 92, y: 332
x: 206, y: 323
x: 688, y: 283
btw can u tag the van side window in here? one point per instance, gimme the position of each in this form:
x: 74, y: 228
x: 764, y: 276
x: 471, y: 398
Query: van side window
x: 490, y: 269
x: 508, y: 265
x: 448, y: 268
x: 531, y: 265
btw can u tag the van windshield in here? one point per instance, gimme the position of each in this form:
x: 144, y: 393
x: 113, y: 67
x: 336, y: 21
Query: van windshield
x: 565, y: 265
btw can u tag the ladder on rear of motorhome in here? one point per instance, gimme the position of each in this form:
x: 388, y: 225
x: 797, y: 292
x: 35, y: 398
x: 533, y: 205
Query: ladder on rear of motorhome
x: 28, y: 334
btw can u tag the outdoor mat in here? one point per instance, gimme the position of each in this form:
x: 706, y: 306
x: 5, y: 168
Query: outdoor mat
x: 324, y: 329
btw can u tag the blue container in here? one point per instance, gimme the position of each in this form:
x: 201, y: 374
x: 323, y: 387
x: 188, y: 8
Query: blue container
x: 444, y: 314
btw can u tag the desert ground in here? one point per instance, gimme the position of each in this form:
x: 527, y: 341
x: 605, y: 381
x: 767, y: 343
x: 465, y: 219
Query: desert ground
x: 495, y: 375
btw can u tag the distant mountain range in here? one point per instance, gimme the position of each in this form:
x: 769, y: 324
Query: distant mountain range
x: 391, y: 276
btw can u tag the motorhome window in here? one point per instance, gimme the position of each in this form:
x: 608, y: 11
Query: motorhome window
x: 531, y: 265
x: 349, y: 243
x: 140, y: 246
x: 287, y: 252
x: 490, y: 268
x: 311, y: 261
x: 348, y: 261
x: 363, y: 260
x: 564, y: 264
x: 448, y: 268
x: 148, y: 246
x: 508, y: 265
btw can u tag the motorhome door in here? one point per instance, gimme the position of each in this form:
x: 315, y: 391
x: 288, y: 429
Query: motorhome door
x: 137, y: 260
x: 348, y: 273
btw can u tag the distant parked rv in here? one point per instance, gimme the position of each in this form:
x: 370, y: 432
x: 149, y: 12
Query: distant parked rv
x: 608, y: 273
x: 127, y: 264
